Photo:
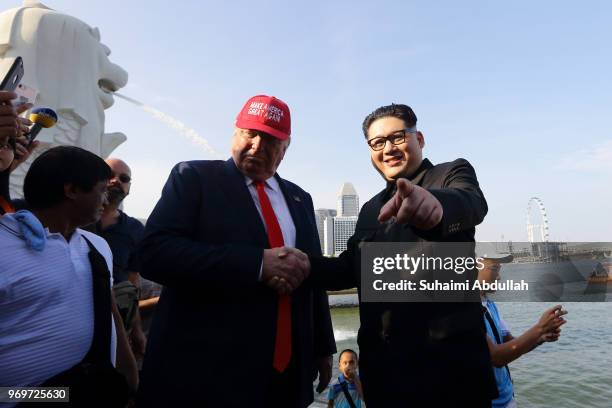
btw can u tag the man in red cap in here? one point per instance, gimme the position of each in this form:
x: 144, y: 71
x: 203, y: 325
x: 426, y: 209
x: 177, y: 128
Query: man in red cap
x: 227, y: 331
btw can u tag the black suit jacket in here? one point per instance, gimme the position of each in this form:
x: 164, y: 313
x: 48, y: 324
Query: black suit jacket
x: 400, y: 360
x: 212, y: 337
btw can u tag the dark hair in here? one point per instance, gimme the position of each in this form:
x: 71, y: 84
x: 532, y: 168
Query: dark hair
x: 52, y: 170
x: 348, y: 351
x: 403, y: 112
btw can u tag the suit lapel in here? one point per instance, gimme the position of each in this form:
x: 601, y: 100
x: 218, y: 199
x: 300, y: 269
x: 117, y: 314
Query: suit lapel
x: 296, y: 208
x: 236, y: 189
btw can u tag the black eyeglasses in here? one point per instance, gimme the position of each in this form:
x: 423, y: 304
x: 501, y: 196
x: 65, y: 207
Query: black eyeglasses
x: 124, y: 178
x: 396, y: 138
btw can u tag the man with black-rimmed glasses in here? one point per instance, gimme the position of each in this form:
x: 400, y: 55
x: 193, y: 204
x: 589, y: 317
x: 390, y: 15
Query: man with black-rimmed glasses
x: 415, y: 354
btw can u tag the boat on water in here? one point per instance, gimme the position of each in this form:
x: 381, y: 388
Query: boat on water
x: 602, y: 272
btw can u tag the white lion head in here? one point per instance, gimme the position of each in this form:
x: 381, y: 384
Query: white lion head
x: 69, y: 66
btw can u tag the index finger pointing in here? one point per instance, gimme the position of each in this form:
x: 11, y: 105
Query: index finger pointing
x: 404, y: 187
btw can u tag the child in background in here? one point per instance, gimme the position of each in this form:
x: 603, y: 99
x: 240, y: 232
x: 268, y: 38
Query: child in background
x: 347, y: 391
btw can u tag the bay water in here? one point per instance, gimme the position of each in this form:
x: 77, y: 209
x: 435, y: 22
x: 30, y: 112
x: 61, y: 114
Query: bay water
x: 575, y: 371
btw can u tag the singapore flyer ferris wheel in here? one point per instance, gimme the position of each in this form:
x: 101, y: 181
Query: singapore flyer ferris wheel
x: 537, y: 221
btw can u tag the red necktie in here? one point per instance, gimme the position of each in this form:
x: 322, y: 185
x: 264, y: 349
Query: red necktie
x: 282, y: 345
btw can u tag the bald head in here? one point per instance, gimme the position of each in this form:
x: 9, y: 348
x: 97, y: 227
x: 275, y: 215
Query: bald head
x: 120, y: 182
x: 118, y: 166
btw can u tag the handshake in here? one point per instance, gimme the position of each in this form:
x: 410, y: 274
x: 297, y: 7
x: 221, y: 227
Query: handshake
x: 284, y: 269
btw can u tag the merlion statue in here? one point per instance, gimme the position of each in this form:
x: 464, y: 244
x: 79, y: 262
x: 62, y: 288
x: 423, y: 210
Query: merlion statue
x: 67, y: 64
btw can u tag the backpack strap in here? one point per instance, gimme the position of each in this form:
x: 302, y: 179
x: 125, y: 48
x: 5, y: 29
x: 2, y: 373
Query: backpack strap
x: 498, y: 338
x: 347, y: 395
x: 100, y: 346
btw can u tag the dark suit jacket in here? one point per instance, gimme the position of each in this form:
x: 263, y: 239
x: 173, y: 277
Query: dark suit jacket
x: 400, y: 362
x: 212, y: 338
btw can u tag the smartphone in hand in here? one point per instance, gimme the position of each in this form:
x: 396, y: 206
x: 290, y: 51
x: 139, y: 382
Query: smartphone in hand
x: 13, y: 76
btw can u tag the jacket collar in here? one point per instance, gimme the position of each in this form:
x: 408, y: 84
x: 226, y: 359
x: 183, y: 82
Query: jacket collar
x: 414, y: 178
x: 236, y: 189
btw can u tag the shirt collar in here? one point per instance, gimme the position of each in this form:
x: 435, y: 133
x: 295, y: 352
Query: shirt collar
x: 342, y: 378
x: 271, y: 183
x: 415, y: 178
x: 122, y: 219
x: 12, y: 224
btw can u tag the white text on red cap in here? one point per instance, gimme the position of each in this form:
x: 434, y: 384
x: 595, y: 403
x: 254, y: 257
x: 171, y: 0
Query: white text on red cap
x: 271, y: 112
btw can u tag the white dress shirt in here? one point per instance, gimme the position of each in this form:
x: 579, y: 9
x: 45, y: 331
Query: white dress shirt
x: 281, y: 210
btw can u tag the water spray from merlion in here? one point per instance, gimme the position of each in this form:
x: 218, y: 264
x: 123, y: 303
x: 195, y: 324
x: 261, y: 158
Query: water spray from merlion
x: 186, y: 131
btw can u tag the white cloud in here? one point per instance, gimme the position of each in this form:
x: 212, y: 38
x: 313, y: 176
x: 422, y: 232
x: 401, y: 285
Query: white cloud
x: 596, y: 158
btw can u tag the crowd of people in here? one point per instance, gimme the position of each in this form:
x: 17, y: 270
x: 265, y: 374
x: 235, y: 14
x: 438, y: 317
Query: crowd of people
x: 220, y: 300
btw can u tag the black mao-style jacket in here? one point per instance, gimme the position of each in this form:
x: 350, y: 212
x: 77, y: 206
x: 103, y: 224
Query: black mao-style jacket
x: 419, y: 353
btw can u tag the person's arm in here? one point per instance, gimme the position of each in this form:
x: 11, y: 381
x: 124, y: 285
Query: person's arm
x: 170, y: 255
x: 352, y: 376
x: 436, y: 213
x: 138, y: 340
x: 330, y: 403
x: 342, y: 272
x: 549, y: 337
x: 503, y: 354
x: 324, y: 341
x: 324, y: 371
x: 8, y: 117
x: 22, y: 151
x: 358, y: 386
x: 148, y: 305
x: 510, y: 337
x: 23, y: 147
x: 333, y: 273
x: 134, y: 278
x: 507, y: 352
x: 9, y: 113
x: 126, y: 363
x: 463, y: 203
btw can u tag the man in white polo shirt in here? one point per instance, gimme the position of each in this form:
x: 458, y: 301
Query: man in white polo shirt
x: 55, y: 282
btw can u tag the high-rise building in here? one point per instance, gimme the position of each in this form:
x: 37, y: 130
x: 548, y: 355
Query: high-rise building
x: 344, y: 228
x: 348, y: 201
x: 321, y: 215
x: 336, y: 227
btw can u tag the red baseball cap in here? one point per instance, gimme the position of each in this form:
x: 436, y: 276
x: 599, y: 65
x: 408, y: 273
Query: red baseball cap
x: 267, y: 114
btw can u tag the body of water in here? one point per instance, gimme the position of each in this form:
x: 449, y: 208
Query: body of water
x: 576, y: 371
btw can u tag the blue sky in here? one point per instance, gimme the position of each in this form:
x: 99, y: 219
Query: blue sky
x: 521, y: 89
